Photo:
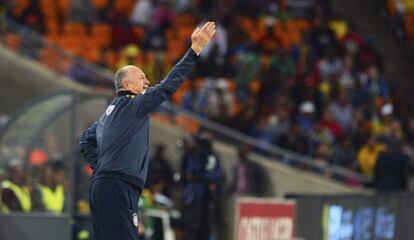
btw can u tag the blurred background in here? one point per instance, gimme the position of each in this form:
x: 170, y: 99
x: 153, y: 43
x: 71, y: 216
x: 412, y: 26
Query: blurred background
x: 296, y: 123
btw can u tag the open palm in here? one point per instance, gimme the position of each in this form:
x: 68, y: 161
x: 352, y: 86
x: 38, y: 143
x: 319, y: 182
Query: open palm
x: 202, y: 36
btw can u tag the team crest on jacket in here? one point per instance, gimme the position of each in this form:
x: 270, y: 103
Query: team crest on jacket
x: 135, y: 219
x: 109, y: 109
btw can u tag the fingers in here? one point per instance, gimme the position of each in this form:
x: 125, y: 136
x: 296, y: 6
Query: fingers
x: 203, y: 28
x: 211, y: 27
x: 196, y: 32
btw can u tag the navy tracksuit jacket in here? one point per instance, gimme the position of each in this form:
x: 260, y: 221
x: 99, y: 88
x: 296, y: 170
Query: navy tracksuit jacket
x: 116, y: 147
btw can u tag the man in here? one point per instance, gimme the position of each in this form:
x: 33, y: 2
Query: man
x: 15, y: 194
x: 49, y: 194
x: 392, y: 169
x: 116, y: 146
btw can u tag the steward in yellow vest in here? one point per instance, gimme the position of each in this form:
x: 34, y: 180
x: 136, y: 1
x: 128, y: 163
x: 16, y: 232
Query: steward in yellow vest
x: 51, y: 190
x: 15, y: 196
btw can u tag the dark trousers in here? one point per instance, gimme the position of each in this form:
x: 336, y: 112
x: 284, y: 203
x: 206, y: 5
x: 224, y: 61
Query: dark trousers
x: 114, y: 210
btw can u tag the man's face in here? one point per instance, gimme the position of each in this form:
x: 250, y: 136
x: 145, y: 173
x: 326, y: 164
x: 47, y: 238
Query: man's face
x: 136, y: 81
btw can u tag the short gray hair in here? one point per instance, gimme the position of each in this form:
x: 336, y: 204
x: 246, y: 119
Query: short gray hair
x: 119, y: 78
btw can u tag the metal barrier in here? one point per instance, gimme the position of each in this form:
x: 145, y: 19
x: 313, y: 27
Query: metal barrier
x: 35, y: 226
x: 165, y: 219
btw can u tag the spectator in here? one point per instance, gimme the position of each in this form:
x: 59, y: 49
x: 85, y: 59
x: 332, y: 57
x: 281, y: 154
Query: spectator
x: 220, y: 103
x: 306, y: 116
x: 154, y: 39
x: 269, y: 41
x: 329, y: 65
x: 191, y: 97
x: 15, y: 194
x: 122, y: 33
x: 382, y: 124
x: 194, y: 195
x: 322, y: 38
x: 343, y: 153
x: 163, y: 16
x: 160, y: 170
x: 283, y: 63
x: 368, y: 55
x: 142, y: 12
x: 409, y: 132
x: 247, y: 69
x: 279, y: 125
x: 129, y: 56
x: 342, y: 111
x: 32, y: 17
x: 368, y: 155
x: 297, y: 140
x: 246, y: 118
x: 392, y: 169
x: 328, y: 122
x: 249, y: 177
x: 213, y: 176
x: 82, y: 11
x: 50, y: 192
x: 220, y: 41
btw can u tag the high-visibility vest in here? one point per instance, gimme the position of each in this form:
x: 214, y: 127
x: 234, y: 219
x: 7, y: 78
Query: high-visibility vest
x: 3, y: 208
x: 53, y: 201
x: 22, y: 194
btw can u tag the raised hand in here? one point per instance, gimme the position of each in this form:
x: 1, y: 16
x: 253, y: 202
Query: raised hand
x: 202, y: 36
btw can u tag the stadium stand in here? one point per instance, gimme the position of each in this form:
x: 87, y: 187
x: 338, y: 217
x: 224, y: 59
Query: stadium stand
x: 289, y: 76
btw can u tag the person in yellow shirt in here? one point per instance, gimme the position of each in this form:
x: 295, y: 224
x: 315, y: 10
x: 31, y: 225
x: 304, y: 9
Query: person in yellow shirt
x: 368, y: 154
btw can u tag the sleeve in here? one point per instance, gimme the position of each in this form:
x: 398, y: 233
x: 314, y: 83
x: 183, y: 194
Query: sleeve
x: 166, y: 88
x: 89, y: 146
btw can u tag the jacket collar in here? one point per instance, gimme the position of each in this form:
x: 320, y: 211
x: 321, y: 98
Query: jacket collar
x: 124, y: 93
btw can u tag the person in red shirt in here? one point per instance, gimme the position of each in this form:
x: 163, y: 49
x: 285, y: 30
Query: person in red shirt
x: 329, y: 122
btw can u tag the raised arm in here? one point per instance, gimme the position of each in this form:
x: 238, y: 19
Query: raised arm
x: 154, y: 96
x: 89, y: 146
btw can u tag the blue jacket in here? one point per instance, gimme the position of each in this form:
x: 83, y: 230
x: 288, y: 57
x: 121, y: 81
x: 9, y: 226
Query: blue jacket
x: 116, y: 146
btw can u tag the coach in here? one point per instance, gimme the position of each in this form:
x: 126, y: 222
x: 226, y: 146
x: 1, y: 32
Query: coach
x: 116, y: 146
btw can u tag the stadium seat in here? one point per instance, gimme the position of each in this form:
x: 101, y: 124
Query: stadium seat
x: 13, y: 40
x: 99, y: 4
x: 185, y: 20
x: 124, y: 6
x: 139, y: 32
x: 186, y: 123
x: 74, y: 29
x: 64, y: 5
x: 20, y: 6
x: 111, y: 58
x: 102, y: 32
x: 392, y: 7
x: 52, y: 27
x: 409, y: 26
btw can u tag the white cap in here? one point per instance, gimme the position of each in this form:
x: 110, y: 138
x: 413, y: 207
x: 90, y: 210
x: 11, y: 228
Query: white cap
x: 307, y: 107
x: 387, y: 109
